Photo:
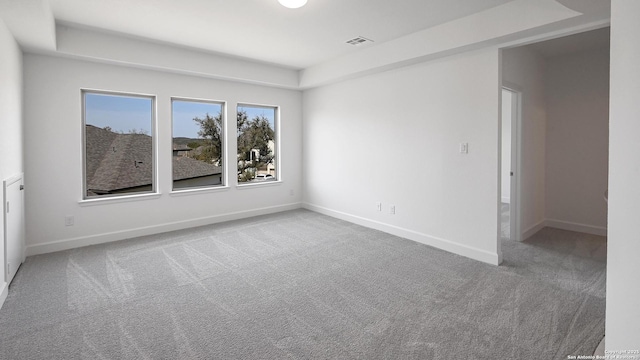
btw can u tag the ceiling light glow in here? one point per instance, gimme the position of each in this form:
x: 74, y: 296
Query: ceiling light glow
x: 292, y: 4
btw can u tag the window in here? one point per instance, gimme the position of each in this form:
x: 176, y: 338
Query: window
x: 198, y: 143
x: 257, y: 143
x: 118, y: 144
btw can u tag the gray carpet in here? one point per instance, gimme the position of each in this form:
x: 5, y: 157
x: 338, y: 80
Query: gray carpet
x: 299, y: 285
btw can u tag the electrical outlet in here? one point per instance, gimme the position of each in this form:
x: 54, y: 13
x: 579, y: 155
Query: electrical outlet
x: 379, y: 206
x: 68, y: 221
x: 464, y: 148
x: 392, y: 209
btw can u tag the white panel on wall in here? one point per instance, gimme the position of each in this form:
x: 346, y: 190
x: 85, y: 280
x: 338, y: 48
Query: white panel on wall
x: 13, y: 209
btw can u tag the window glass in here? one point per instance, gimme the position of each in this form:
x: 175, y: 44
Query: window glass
x: 198, y: 144
x: 256, y: 143
x: 118, y: 149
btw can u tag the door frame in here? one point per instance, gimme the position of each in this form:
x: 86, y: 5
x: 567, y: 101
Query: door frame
x: 515, y: 212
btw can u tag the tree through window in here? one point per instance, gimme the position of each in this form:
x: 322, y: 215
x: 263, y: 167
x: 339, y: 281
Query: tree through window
x: 198, y: 143
x: 256, y: 143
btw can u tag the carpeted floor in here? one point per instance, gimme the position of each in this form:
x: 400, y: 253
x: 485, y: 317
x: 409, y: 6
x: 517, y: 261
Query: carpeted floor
x: 299, y: 285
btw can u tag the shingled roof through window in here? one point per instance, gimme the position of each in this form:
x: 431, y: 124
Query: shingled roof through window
x: 122, y: 161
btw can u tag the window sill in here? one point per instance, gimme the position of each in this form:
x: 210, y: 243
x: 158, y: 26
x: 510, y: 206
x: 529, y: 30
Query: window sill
x: 198, y: 191
x: 258, y: 184
x: 118, y: 199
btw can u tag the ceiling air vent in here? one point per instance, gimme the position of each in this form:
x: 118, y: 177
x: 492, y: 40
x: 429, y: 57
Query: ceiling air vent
x: 359, y: 41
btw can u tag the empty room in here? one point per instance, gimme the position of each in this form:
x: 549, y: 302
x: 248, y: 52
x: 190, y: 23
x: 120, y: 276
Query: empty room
x: 319, y: 179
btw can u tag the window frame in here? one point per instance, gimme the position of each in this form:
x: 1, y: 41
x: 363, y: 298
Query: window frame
x: 153, y: 193
x: 223, y: 145
x: 276, y: 145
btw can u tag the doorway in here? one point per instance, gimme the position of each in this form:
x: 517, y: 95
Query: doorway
x: 509, y: 173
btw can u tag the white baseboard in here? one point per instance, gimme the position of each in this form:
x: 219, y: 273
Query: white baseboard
x: 443, y: 244
x: 67, y: 244
x: 565, y: 225
x: 571, y: 226
x: 4, y: 291
x: 532, y: 230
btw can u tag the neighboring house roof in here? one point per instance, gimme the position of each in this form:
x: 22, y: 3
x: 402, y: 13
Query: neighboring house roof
x: 117, y: 161
x: 122, y: 161
x: 181, y: 147
x: 188, y: 168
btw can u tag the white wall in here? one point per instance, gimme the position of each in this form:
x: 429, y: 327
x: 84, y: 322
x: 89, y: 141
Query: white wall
x: 11, y: 155
x: 117, y: 49
x: 54, y: 155
x: 577, y: 140
x: 524, y: 68
x: 623, y: 267
x: 394, y: 137
x: 505, y: 170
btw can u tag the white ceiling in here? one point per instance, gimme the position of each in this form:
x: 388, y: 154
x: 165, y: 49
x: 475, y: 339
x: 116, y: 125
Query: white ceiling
x: 263, y: 30
x: 261, y: 42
